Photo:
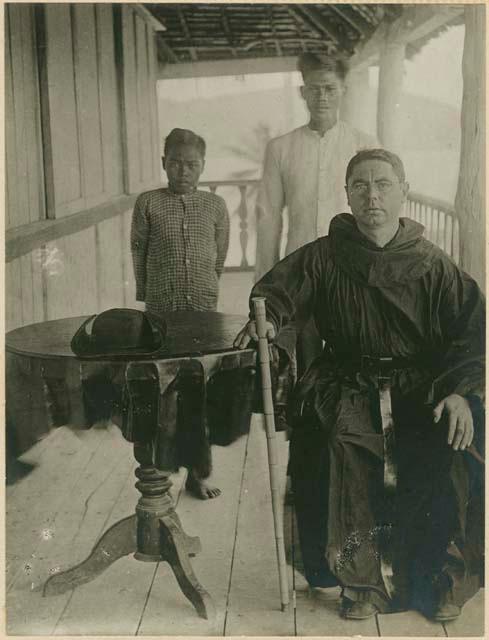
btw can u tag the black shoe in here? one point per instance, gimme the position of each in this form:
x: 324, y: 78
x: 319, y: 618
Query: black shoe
x: 446, y: 613
x: 359, y: 610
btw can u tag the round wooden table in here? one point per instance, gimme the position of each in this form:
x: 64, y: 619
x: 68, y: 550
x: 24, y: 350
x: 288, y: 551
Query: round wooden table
x: 199, y: 343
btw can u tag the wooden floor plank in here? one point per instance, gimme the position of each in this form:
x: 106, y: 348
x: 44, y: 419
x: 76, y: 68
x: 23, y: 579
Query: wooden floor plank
x: 70, y: 537
x: 37, y: 499
x: 471, y: 621
x: 168, y: 612
x: 254, y: 597
x: 409, y: 623
x: 117, y: 598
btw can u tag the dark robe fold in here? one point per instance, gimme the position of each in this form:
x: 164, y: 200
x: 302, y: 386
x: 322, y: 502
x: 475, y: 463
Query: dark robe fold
x: 408, y: 301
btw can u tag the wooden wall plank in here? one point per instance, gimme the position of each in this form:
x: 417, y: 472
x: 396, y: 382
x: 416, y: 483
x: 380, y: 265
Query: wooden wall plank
x: 62, y: 105
x: 87, y: 102
x: 11, y: 162
x: 71, y: 281
x: 110, y: 111
x: 109, y: 264
x: 32, y: 118
x: 143, y: 96
x: 13, y: 297
x: 130, y: 105
x: 25, y: 183
x: 153, y: 103
x: 20, y: 152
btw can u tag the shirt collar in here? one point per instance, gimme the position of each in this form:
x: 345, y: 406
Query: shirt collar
x: 181, y: 195
x: 329, y: 132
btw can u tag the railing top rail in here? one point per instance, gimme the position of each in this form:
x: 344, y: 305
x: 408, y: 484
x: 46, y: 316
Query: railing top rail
x: 228, y: 183
x: 441, y: 205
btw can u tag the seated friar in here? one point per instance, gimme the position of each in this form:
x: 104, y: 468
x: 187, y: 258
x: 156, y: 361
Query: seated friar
x: 387, y: 423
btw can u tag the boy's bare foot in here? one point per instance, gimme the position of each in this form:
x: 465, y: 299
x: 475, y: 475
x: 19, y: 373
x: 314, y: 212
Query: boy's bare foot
x: 201, y: 489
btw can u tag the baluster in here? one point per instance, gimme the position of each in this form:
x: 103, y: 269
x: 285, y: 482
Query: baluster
x: 449, y: 234
x: 442, y: 228
x: 213, y: 188
x: 456, y: 241
x: 436, y: 227
x: 243, y: 216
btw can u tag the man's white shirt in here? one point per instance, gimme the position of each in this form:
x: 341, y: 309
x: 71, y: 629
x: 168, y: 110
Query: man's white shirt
x: 304, y: 172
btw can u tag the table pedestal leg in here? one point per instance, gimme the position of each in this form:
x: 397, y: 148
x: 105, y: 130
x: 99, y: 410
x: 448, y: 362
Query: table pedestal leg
x: 116, y: 542
x: 154, y: 534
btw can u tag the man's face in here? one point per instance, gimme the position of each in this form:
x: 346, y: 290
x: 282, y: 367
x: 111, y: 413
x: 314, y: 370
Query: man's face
x: 183, y: 165
x: 322, y: 92
x: 375, y: 194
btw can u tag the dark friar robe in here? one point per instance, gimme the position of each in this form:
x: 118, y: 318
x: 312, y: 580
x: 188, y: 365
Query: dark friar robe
x: 408, y: 301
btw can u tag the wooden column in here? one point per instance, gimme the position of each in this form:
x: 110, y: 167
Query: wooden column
x: 391, y: 71
x: 470, y: 198
x: 353, y: 106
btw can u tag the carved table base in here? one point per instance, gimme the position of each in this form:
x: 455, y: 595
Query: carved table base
x: 153, y: 534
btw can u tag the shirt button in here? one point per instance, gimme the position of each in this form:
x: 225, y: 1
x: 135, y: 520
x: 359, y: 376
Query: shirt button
x: 185, y: 225
x: 188, y: 297
x: 187, y: 261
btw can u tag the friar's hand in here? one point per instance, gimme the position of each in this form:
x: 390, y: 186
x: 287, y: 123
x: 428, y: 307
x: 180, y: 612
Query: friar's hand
x: 460, y: 422
x: 248, y: 333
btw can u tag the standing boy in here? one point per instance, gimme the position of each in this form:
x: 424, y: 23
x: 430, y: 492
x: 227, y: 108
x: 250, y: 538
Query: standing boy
x: 179, y: 241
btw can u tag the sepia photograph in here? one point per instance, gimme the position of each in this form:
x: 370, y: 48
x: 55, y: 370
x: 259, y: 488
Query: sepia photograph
x: 245, y: 319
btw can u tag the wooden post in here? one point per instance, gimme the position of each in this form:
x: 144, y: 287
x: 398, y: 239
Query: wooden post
x: 470, y: 198
x: 353, y: 109
x: 391, y: 70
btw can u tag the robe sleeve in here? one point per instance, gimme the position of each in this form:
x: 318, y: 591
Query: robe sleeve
x: 462, y: 322
x: 290, y: 288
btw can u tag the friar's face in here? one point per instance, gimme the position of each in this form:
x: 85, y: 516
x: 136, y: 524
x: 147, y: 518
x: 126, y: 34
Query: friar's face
x: 375, y: 194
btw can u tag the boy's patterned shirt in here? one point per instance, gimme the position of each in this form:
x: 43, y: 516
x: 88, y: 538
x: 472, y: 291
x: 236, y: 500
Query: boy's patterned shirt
x: 179, y: 244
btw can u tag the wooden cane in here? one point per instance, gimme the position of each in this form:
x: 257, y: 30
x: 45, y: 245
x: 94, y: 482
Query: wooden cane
x: 273, y: 467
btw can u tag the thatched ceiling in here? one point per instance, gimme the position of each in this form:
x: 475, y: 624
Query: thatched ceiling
x: 197, y: 32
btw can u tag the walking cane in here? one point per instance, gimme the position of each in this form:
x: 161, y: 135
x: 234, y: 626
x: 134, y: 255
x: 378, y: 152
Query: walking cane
x: 268, y: 412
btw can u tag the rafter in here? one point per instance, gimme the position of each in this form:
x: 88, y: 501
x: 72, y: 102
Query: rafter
x: 165, y: 52
x: 341, y: 12
x: 187, y: 34
x: 314, y: 17
x: 227, y: 29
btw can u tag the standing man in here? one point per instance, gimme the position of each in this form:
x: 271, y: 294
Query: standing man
x: 304, y: 171
x: 388, y: 494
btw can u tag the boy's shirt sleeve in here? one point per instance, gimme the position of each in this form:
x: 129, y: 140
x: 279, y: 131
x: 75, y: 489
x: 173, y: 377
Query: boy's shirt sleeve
x: 222, y: 237
x: 140, y: 228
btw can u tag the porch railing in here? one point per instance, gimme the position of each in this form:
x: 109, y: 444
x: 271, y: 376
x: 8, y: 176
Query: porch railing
x: 439, y: 219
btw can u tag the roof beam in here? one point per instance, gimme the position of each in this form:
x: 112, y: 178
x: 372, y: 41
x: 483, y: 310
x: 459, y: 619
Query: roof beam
x: 317, y: 20
x: 231, y: 67
x: 227, y: 29
x: 148, y: 17
x: 165, y: 52
x: 344, y: 16
x: 416, y: 22
x: 186, y: 32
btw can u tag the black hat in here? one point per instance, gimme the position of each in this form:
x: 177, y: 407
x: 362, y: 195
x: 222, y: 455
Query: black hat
x: 119, y: 333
